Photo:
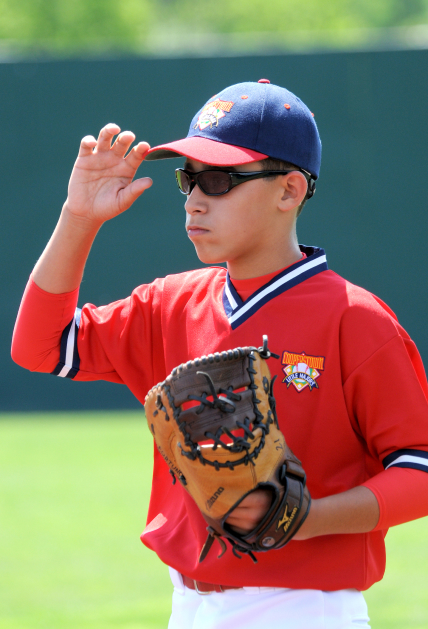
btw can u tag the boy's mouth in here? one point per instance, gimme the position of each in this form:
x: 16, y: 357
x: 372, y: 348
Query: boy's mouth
x: 195, y: 230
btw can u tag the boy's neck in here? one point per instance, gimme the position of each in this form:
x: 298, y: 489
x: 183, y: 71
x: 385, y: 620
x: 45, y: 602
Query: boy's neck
x: 272, y: 261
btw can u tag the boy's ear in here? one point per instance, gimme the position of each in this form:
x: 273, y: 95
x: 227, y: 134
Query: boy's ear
x: 294, y: 189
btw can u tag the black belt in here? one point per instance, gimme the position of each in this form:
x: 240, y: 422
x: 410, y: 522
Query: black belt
x: 206, y: 588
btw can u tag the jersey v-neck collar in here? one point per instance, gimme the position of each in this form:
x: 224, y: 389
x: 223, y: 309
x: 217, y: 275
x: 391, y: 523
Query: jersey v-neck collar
x: 238, y: 311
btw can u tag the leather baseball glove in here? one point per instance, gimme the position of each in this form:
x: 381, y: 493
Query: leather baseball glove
x: 214, y: 422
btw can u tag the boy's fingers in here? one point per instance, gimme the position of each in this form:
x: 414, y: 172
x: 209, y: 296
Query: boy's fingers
x: 250, y: 511
x: 136, y: 156
x: 122, y: 143
x: 130, y: 193
x: 87, y: 144
x: 106, y: 135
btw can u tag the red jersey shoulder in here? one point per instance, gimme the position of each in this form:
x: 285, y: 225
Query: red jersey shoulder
x: 335, y: 310
x: 198, y: 279
x: 179, y: 284
x: 354, y: 301
x: 366, y: 325
x: 193, y: 289
x: 365, y: 309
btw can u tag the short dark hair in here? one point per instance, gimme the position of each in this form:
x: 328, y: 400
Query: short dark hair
x: 277, y: 164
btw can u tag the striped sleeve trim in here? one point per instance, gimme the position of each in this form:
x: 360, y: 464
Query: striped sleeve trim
x: 69, y: 361
x: 414, y: 459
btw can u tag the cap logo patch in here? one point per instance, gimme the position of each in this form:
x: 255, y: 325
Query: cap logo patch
x: 212, y: 113
x: 302, y: 370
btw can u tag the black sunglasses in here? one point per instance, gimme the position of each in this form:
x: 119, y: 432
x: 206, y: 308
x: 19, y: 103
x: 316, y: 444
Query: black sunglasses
x: 216, y: 182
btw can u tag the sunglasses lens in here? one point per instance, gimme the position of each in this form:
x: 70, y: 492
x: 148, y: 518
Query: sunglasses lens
x: 183, y: 181
x: 214, y: 181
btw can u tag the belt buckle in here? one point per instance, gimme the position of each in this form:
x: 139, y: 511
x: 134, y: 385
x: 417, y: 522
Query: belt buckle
x: 199, y: 591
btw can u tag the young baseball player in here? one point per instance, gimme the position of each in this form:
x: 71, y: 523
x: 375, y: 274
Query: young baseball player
x: 252, y: 156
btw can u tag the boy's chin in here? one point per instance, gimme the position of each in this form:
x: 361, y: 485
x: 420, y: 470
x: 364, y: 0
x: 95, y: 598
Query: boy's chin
x: 206, y: 258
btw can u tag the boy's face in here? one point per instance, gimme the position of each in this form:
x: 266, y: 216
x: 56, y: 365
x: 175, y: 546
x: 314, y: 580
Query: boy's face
x: 239, y: 227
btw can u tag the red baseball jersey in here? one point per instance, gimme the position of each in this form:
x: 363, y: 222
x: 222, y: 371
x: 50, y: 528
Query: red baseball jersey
x: 351, y: 395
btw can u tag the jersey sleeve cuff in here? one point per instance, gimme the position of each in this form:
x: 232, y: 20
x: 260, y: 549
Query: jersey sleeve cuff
x: 52, y: 296
x: 402, y: 495
x: 39, y: 327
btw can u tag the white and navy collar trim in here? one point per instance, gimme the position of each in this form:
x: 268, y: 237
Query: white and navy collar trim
x: 238, y: 311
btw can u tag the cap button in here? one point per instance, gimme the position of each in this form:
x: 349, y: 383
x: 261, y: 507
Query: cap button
x: 263, y: 81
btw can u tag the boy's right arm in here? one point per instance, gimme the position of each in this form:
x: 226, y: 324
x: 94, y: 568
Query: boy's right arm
x: 101, y: 187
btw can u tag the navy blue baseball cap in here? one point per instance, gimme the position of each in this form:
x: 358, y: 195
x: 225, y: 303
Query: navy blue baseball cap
x: 248, y: 122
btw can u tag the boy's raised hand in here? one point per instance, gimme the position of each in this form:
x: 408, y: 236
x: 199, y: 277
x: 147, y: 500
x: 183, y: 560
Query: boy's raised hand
x: 101, y: 185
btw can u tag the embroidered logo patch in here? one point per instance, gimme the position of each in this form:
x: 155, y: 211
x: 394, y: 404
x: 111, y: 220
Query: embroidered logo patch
x: 302, y: 370
x: 212, y: 112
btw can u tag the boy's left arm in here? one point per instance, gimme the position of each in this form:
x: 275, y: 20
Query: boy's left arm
x: 392, y: 419
x: 385, y: 390
x: 353, y: 511
x: 393, y: 497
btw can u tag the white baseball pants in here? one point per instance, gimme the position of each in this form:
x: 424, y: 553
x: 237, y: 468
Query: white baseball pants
x: 262, y: 608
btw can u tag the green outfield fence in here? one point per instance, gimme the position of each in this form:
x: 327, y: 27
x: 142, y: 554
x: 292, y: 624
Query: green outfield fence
x: 369, y: 212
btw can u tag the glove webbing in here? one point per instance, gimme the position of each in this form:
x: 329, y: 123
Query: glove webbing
x: 239, y: 443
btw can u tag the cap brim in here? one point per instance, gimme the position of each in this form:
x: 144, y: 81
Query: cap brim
x: 205, y: 151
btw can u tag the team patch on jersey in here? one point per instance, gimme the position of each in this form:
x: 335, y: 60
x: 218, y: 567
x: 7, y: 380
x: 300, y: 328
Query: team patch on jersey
x: 302, y: 370
x: 212, y: 112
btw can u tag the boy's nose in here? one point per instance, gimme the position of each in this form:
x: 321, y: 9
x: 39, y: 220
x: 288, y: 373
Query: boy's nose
x: 197, y: 202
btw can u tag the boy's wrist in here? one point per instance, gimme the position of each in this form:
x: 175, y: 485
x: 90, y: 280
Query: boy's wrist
x: 87, y: 225
x: 352, y: 511
x: 60, y: 267
x: 309, y: 527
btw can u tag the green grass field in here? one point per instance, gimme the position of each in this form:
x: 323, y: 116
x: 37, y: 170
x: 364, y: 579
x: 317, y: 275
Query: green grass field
x: 73, y: 502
